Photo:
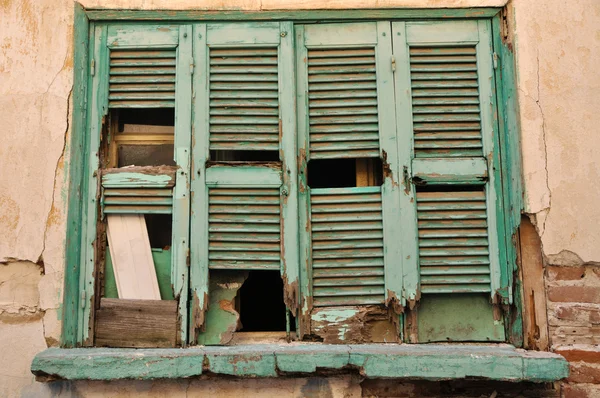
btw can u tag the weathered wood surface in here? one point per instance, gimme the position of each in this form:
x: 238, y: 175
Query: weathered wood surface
x: 535, y: 320
x: 136, y: 323
x: 139, y: 177
x: 353, y: 325
x: 431, y: 362
x: 131, y: 255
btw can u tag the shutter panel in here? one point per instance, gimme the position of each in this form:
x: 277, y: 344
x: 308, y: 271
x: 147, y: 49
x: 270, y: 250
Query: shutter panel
x: 346, y: 111
x: 244, y: 226
x: 245, y: 212
x: 148, y: 66
x: 244, y: 105
x: 347, y: 246
x: 342, y: 102
x: 128, y: 192
x: 142, y: 78
x: 448, y: 110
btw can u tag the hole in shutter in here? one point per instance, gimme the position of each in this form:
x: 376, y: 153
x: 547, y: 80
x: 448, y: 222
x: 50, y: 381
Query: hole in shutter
x: 345, y: 173
x: 244, y: 156
x: 261, y: 303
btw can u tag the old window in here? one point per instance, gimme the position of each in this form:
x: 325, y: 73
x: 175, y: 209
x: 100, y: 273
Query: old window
x: 335, y: 182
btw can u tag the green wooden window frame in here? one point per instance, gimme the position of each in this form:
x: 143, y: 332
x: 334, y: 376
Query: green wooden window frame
x: 186, y: 31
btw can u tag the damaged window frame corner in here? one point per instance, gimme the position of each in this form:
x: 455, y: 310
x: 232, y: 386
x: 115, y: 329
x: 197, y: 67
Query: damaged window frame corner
x: 254, y: 360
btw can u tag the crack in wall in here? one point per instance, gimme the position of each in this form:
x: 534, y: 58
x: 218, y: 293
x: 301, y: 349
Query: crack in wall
x: 56, y: 170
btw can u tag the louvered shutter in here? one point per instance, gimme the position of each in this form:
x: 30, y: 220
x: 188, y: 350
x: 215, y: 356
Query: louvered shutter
x: 147, y: 66
x: 245, y: 213
x: 345, y: 110
x: 445, y: 111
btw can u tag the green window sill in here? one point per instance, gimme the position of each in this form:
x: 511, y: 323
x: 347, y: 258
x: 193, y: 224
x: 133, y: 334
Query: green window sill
x: 430, y: 362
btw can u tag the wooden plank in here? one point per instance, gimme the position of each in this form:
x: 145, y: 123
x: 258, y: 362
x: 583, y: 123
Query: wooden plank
x: 132, y: 257
x: 181, y: 192
x: 139, y: 177
x: 347, y: 34
x: 253, y: 33
x: 136, y: 323
x: 244, y: 175
x: 444, y: 32
x: 147, y: 129
x: 535, y: 320
x: 290, y: 257
x: 143, y: 36
x: 77, y: 193
x: 199, y: 201
x: 408, y: 215
x: 450, y: 171
x: 292, y: 15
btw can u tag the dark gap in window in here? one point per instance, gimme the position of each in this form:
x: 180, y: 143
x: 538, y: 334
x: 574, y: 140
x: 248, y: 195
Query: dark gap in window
x: 147, y: 116
x: 160, y: 230
x: 345, y: 173
x: 146, y: 155
x: 261, y: 303
x: 142, y: 137
x: 244, y: 156
x: 449, y: 188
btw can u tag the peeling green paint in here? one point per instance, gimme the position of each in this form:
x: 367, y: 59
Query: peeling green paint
x: 430, y: 362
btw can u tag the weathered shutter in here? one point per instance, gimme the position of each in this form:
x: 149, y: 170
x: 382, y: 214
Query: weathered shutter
x: 345, y: 110
x: 244, y: 213
x: 127, y: 66
x: 135, y: 192
x: 142, y: 78
x: 445, y: 110
x: 244, y: 98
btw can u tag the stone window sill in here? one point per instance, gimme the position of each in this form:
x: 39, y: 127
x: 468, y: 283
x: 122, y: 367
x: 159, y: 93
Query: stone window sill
x: 427, y: 361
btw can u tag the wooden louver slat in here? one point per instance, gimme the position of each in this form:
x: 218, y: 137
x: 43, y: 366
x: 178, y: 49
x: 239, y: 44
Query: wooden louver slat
x: 142, y: 78
x: 244, y: 228
x: 138, y: 200
x: 244, y: 99
x: 453, y: 242
x: 445, y: 101
x: 347, y: 246
x: 342, y: 92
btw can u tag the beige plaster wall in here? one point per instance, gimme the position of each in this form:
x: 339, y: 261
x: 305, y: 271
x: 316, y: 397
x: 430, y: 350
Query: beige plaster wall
x: 557, y: 56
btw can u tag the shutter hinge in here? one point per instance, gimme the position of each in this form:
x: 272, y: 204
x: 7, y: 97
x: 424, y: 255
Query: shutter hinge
x: 393, y: 64
x: 495, y: 58
x: 93, y: 67
x: 187, y: 257
x: 82, y: 298
x: 191, y: 68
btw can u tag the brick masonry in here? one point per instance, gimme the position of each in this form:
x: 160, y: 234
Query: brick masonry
x: 573, y: 294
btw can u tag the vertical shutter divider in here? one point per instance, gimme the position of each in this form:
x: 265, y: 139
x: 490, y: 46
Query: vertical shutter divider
x: 199, y: 212
x: 181, y: 191
x: 392, y: 227
x: 408, y: 206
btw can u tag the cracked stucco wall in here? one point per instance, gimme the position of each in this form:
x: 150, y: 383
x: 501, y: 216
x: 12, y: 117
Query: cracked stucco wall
x: 557, y: 53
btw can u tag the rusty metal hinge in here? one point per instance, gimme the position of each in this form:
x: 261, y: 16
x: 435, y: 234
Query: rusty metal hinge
x: 495, y: 58
x: 82, y: 299
x: 187, y: 257
x: 393, y: 64
x: 93, y: 67
x: 192, y: 68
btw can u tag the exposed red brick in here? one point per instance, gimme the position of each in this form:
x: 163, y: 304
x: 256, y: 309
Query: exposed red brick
x: 574, y: 294
x: 584, y: 373
x: 580, y: 391
x: 565, y: 273
x: 581, y: 313
x: 575, y: 354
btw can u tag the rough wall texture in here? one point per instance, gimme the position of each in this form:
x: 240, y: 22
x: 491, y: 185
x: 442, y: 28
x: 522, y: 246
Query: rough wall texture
x: 557, y: 58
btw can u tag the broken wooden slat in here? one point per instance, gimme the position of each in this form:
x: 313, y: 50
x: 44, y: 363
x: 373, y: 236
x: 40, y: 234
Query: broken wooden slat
x: 136, y: 323
x: 139, y: 177
x: 131, y: 255
x: 471, y: 171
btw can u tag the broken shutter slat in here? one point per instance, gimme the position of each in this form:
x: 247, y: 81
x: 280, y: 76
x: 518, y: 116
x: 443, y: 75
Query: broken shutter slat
x: 449, y: 95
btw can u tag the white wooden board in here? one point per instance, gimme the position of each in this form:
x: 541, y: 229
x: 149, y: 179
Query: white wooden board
x: 132, y: 257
